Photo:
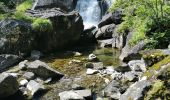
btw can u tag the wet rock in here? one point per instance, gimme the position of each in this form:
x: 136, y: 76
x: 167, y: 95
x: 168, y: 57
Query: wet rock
x: 94, y: 65
x: 137, y: 65
x: 8, y: 85
x: 105, y: 32
x: 136, y: 91
x: 29, y: 75
x: 23, y: 82
x: 42, y: 70
x: 93, y: 57
x: 91, y: 71
x: 34, y: 87
x: 23, y: 65
x: 77, y: 54
x: 36, y: 55
x: 7, y: 60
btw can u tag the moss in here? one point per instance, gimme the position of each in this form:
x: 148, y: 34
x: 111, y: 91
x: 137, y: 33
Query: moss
x: 24, y: 6
x: 158, y: 91
x: 42, y: 25
x: 161, y: 63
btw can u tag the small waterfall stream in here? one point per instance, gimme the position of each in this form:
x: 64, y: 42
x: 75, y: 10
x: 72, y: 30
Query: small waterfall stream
x: 90, y: 12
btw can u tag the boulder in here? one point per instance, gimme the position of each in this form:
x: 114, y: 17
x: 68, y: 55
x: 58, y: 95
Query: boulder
x: 136, y: 91
x: 29, y: 75
x: 93, y: 58
x: 42, y: 70
x: 34, y: 87
x: 66, y: 31
x: 112, y: 90
x: 23, y: 82
x: 105, y: 32
x: 130, y: 76
x: 67, y: 5
x: 8, y: 85
x: 132, y: 52
x: 137, y: 65
x: 70, y: 95
x: 8, y: 60
x: 110, y: 18
x: 23, y: 65
x: 76, y: 95
x: 15, y: 36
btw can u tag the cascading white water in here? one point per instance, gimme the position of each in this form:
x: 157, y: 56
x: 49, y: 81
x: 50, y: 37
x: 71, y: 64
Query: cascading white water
x: 90, y: 12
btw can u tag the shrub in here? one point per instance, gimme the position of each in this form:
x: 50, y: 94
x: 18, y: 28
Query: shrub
x: 42, y: 25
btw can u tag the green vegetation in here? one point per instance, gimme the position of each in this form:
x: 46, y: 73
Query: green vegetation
x: 42, y: 25
x: 147, y: 19
x: 38, y: 24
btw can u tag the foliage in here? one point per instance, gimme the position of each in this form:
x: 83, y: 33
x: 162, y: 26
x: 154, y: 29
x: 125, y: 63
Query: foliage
x: 148, y: 19
x: 42, y: 25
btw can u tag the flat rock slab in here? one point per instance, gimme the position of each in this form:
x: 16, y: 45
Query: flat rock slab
x: 42, y: 70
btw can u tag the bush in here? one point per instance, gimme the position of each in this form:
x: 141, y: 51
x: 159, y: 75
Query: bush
x: 148, y: 19
x: 42, y: 25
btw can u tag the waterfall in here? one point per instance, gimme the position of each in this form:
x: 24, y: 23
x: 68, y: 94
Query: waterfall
x: 90, y: 12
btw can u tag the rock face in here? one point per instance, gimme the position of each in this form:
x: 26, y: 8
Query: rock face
x: 8, y: 85
x: 109, y: 18
x: 42, y: 70
x: 67, y: 5
x: 131, y: 52
x: 135, y: 91
x: 15, y: 36
x: 105, y: 32
x: 18, y: 37
x: 67, y: 28
x: 7, y: 60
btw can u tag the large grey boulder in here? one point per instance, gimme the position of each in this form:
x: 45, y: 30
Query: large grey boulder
x: 67, y: 5
x: 42, y: 70
x: 110, y: 18
x: 7, y: 60
x: 136, y: 91
x: 130, y: 52
x: 8, y: 85
x: 15, y: 36
x: 112, y: 90
x: 34, y: 87
x: 67, y: 28
x: 105, y: 32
